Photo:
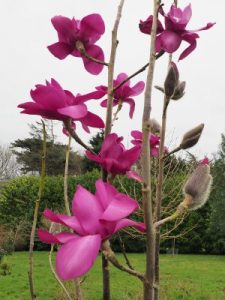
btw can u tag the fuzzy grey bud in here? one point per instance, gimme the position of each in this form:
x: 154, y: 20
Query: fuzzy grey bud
x: 191, y: 137
x: 197, y: 188
x: 171, y: 80
x: 179, y: 91
x: 155, y: 126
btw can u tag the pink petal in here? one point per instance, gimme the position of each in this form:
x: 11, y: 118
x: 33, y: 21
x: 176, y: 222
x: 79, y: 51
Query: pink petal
x: 59, y: 238
x: 154, y: 152
x: 127, y: 222
x: 129, y: 157
x: 121, y: 77
x: 97, y: 53
x: 105, y: 193
x: 64, y: 26
x: 136, y: 134
x: 191, y: 39
x: 60, y: 50
x: 170, y: 41
x: 76, y: 257
x: 132, y: 106
x: 74, y: 111
x: 93, y: 95
x: 93, y: 157
x: 92, y: 120
x: 134, y: 175
x: 87, y: 209
x: 137, y: 89
x: 71, y: 222
x: 146, y: 26
x: 86, y: 128
x: 120, y: 207
x: 109, y: 141
x: 91, y: 28
x: 208, y: 26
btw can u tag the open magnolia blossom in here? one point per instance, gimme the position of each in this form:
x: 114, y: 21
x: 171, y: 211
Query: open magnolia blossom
x: 77, y: 37
x: 169, y: 38
x: 154, y: 141
x: 51, y: 101
x: 124, y: 94
x: 113, y: 157
x: 95, y: 218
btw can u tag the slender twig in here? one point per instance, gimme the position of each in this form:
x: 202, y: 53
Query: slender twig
x: 181, y: 209
x: 122, y: 247
x: 172, y: 152
x: 67, y: 208
x: 55, y: 274
x: 35, y: 217
x: 142, y: 69
x: 67, y: 124
x: 146, y: 166
x: 66, y: 171
x: 112, y: 258
x: 108, y: 127
x: 80, y: 47
x: 159, y: 188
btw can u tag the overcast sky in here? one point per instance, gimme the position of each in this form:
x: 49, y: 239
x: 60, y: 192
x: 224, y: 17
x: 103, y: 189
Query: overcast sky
x: 26, y: 31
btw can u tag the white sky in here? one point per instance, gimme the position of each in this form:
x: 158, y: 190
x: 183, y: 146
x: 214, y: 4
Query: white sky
x: 26, y: 30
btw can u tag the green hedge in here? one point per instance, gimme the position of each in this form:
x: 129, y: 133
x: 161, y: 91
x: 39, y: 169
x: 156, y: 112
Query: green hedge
x: 17, y: 200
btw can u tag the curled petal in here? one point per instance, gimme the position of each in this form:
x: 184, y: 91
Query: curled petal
x: 132, y: 106
x: 137, y: 89
x: 127, y: 222
x: 191, y: 39
x: 77, y: 256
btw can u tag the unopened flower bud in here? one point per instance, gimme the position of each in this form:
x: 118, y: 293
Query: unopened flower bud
x: 197, y: 188
x: 179, y: 91
x: 191, y: 137
x: 171, y: 80
x: 155, y: 126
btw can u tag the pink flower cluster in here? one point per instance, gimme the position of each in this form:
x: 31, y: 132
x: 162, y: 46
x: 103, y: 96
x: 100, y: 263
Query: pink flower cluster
x: 169, y: 38
x: 95, y: 218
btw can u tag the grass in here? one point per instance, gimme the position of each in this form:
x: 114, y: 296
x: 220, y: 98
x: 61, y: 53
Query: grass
x: 188, y: 277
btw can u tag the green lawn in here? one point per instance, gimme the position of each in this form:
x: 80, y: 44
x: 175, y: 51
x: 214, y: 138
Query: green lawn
x: 189, y: 277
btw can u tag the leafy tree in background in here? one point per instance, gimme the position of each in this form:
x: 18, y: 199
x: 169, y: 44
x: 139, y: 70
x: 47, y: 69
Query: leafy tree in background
x: 28, y: 153
x: 95, y: 142
x: 217, y: 200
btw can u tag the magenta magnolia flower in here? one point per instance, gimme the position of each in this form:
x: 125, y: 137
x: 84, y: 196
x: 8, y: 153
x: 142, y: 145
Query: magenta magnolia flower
x: 95, y: 218
x: 113, y: 157
x: 169, y: 38
x: 154, y: 141
x: 83, y: 33
x: 124, y: 94
x: 52, y: 102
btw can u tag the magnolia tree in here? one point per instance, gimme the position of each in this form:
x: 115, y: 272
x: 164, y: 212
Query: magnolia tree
x: 95, y: 218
